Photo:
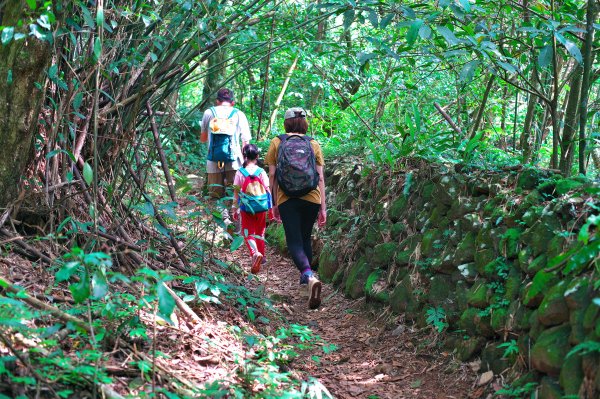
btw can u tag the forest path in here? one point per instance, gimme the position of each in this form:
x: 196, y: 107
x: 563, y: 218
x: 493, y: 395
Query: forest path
x: 371, y: 361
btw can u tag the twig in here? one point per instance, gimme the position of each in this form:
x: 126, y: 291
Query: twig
x: 36, y: 303
x: 26, y: 246
x: 157, y: 215
x: 447, y: 118
x: 161, y: 153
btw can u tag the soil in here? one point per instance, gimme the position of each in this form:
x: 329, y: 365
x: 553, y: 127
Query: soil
x: 377, y: 356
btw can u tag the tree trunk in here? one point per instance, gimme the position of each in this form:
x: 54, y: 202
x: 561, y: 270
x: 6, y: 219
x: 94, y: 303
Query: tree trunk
x: 585, y: 84
x: 567, y: 145
x: 481, y: 109
x: 527, y: 125
x: 215, y: 67
x: 22, y: 65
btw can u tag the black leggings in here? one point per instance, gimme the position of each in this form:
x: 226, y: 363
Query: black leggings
x: 298, y: 217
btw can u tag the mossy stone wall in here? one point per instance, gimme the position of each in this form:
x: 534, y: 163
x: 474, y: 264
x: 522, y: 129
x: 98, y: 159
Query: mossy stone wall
x: 482, y: 246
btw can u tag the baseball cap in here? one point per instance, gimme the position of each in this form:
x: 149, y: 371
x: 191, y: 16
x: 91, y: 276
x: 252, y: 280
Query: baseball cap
x: 295, y: 112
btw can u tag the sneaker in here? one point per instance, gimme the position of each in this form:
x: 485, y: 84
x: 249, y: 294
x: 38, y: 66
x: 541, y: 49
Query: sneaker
x: 314, y: 291
x: 305, y: 276
x: 256, y: 262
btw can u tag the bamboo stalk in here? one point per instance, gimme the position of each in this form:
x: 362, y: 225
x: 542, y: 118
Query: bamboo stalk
x: 286, y: 82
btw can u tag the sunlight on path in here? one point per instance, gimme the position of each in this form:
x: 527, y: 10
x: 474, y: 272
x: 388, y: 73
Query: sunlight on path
x: 371, y: 361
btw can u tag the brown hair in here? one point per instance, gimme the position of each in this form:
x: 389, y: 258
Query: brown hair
x: 296, y: 125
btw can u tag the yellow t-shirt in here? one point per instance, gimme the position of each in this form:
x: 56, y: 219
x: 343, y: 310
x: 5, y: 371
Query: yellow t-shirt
x: 271, y: 159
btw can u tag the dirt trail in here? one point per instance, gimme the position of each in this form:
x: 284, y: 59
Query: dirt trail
x: 371, y: 361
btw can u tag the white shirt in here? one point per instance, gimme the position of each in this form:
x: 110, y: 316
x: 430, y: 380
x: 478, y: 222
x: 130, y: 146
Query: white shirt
x: 242, y: 134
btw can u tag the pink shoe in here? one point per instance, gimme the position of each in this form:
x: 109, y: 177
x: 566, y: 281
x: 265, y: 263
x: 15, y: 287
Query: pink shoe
x: 256, y: 262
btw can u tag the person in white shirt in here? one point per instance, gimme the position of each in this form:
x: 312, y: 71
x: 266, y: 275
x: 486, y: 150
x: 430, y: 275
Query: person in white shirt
x: 224, y: 150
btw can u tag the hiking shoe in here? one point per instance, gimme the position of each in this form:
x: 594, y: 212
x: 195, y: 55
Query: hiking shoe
x: 307, y: 274
x: 314, y: 292
x: 256, y: 262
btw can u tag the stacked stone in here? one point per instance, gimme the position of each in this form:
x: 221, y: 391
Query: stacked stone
x: 482, y: 246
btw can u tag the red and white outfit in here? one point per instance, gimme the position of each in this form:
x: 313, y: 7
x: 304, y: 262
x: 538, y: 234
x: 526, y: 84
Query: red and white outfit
x: 253, y: 226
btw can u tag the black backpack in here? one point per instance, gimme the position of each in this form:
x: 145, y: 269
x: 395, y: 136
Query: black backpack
x: 296, y: 165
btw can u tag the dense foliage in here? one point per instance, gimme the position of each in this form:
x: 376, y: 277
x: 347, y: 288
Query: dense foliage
x: 119, y: 86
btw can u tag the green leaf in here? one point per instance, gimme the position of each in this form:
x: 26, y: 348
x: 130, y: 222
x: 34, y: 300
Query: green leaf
x: 66, y: 271
x: 545, y: 56
x: 100, y: 16
x: 88, y: 173
x: 7, y: 35
x: 507, y: 67
x: 166, y: 303
x: 570, y: 46
x: 385, y: 21
x: 413, y: 32
x: 81, y: 290
x: 9, y: 76
x: 348, y: 18
x: 97, y: 48
x: 32, y: 4
x: 53, y: 71
x: 99, y: 285
x: 468, y: 71
x: 77, y: 100
x: 374, y: 19
x: 448, y: 35
x: 425, y: 32
x: 466, y: 4
x: 236, y: 243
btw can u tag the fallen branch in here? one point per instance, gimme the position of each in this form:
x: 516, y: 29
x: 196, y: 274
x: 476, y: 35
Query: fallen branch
x: 26, y: 246
x: 447, y: 118
x: 36, y: 303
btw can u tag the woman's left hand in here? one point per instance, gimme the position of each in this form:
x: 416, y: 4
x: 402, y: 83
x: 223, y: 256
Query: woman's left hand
x: 322, y: 217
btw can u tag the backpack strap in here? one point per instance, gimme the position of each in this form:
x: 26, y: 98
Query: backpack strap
x: 258, y: 172
x: 214, y: 111
x: 233, y: 112
x: 244, y: 171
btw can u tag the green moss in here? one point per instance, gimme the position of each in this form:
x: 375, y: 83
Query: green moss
x: 440, y: 289
x: 465, y: 252
x: 375, y: 287
x: 397, y: 229
x: 328, y: 263
x: 397, y: 208
x: 402, y: 296
x: 354, y: 286
x: 482, y: 258
x: 478, y: 295
x: 509, y: 243
x: 549, y: 351
x: 571, y: 375
x: 563, y: 186
x: 467, y: 321
x: 549, y: 389
x: 553, y: 310
x: 537, y: 264
x: 576, y: 294
x: 428, y: 240
x: 383, y: 254
x: 498, y: 319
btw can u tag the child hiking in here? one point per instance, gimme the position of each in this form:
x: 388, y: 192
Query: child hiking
x: 252, y: 199
x: 297, y: 180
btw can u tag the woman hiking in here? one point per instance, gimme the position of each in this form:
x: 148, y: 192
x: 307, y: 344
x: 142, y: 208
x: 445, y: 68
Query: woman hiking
x: 252, y: 199
x: 298, y: 185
